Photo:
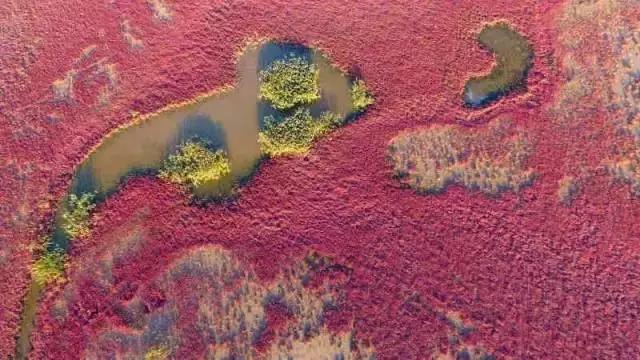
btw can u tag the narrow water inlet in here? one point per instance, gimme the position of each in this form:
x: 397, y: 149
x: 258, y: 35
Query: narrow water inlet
x: 27, y: 321
x: 229, y: 120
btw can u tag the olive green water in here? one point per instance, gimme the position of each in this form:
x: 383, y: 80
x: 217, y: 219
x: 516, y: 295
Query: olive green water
x: 514, y: 56
x: 229, y: 120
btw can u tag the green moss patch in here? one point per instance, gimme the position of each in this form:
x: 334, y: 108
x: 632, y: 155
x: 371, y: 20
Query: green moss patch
x: 75, y: 219
x: 49, y: 267
x: 289, y: 83
x: 194, y: 164
x: 514, y: 57
x: 296, y: 133
x: 360, y: 96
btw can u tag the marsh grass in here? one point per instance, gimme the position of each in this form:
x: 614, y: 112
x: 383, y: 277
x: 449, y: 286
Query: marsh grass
x: 289, y: 83
x: 627, y: 171
x: 430, y: 160
x: 427, y: 159
x: 492, y: 176
x: 325, y: 345
x: 625, y: 84
x: 625, y: 90
x: 608, y: 81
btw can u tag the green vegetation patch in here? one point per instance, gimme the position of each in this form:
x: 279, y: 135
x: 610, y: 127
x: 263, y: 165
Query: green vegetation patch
x: 431, y: 160
x: 75, y: 219
x: 514, y: 57
x: 49, y: 267
x: 360, y: 96
x: 194, y: 164
x: 157, y: 353
x: 289, y: 83
x: 296, y: 133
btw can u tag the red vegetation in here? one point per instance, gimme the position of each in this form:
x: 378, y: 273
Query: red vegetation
x: 537, y: 280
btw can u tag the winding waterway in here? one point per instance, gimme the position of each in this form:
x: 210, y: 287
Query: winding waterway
x: 229, y: 119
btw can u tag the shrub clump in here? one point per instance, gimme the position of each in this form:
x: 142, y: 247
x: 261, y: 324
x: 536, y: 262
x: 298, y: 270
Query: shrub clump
x: 296, y: 133
x: 360, y: 96
x: 626, y: 90
x: 289, y: 83
x: 75, y: 219
x: 432, y: 159
x: 193, y: 164
x: 49, y: 267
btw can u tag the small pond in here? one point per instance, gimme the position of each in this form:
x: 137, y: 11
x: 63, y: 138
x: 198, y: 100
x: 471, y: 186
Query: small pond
x: 514, y: 57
